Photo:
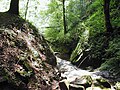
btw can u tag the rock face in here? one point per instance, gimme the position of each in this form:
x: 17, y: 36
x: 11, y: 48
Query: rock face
x: 26, y: 61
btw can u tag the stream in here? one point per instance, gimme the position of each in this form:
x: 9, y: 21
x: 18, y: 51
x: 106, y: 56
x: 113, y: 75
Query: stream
x: 79, y: 79
x: 70, y: 71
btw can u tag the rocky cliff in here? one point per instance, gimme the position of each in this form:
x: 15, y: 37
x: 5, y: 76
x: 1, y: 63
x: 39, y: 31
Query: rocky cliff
x: 26, y: 61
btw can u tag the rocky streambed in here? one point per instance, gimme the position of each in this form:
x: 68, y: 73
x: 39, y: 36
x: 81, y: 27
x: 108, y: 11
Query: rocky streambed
x: 73, y: 78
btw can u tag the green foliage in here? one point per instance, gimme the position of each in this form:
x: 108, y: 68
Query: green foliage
x: 97, y: 36
x: 112, y: 56
x: 96, y: 17
x: 55, y: 13
x: 96, y: 22
x: 115, y: 12
x: 85, y: 28
x: 82, y: 45
x: 97, y: 43
x: 75, y: 11
x: 58, y: 40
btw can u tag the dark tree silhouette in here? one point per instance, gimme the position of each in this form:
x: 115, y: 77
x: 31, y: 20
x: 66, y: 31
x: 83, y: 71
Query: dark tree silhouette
x: 107, y: 16
x: 64, y: 19
x: 14, y: 7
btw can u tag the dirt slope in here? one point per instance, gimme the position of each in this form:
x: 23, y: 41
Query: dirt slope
x: 26, y: 61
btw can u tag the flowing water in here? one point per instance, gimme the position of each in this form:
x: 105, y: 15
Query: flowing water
x: 73, y: 73
x: 70, y: 71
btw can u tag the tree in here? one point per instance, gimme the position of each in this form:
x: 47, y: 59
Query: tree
x: 64, y: 19
x: 107, y: 16
x: 26, y: 9
x: 14, y: 7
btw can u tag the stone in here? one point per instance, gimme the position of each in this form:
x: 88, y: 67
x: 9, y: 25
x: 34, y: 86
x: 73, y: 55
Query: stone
x: 64, y: 85
x: 76, y: 87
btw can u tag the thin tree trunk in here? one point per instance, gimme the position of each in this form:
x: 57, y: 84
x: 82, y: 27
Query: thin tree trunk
x: 64, y: 19
x: 26, y: 9
x: 14, y: 7
x: 107, y: 16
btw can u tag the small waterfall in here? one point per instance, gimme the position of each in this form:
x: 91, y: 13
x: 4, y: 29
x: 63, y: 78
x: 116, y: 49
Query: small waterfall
x: 78, y: 79
x: 70, y: 71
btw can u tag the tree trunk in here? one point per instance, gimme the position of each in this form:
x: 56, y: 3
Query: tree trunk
x: 26, y: 9
x: 64, y: 20
x: 14, y: 7
x: 107, y: 16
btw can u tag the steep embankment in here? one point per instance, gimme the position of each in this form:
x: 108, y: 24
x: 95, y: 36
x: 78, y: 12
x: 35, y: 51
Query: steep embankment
x: 26, y: 61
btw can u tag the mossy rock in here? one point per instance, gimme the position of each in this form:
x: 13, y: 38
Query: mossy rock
x: 26, y: 61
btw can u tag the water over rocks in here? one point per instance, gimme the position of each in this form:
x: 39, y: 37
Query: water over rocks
x: 73, y: 78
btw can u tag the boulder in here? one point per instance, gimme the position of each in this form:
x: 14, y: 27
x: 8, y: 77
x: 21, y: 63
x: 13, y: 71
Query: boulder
x: 76, y: 87
x: 64, y: 85
x: 26, y: 61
